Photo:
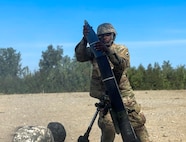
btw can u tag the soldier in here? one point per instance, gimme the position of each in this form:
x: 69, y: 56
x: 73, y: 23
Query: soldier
x: 33, y: 134
x: 119, y: 59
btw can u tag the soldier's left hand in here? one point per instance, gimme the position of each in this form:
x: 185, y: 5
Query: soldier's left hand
x: 100, y: 46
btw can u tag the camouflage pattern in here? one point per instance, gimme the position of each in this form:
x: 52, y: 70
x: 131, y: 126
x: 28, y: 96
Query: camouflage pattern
x: 58, y: 131
x: 97, y: 88
x: 137, y: 121
x: 142, y: 134
x: 107, y: 127
x: 105, y: 28
x: 33, y: 134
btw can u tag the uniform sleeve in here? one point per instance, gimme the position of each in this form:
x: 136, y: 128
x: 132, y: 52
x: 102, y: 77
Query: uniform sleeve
x: 119, y: 56
x: 82, y: 52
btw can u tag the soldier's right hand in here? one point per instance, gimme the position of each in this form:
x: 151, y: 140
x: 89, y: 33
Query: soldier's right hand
x: 85, y: 31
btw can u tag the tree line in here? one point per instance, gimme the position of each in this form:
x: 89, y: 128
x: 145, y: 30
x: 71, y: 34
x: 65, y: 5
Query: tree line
x: 60, y: 73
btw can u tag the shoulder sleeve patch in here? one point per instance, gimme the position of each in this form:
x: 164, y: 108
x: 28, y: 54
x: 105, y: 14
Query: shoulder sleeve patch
x: 122, y: 51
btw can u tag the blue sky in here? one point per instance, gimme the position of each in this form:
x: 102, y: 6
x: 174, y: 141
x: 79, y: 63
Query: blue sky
x: 153, y: 30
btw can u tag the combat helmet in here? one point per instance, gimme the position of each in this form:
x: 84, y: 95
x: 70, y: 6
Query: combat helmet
x: 33, y: 134
x: 105, y: 28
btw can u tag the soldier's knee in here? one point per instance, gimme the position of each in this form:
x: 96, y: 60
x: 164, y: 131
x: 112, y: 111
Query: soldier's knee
x: 136, y: 116
x: 105, y: 121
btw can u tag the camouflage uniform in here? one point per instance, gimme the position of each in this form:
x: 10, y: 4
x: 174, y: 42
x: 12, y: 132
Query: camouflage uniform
x: 33, y: 134
x: 119, y: 60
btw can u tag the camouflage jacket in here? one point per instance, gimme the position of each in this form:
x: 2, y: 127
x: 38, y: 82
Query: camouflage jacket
x: 119, y: 60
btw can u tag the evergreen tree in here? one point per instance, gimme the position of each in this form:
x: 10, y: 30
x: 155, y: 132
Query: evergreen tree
x: 10, y: 70
x: 49, y: 68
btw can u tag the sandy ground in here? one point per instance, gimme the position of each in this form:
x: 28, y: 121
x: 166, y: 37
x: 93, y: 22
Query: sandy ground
x: 165, y: 112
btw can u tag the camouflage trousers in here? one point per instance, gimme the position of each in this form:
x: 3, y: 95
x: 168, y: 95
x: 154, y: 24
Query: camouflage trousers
x: 136, y: 118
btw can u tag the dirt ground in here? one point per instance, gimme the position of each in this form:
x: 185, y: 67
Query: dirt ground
x: 165, y: 112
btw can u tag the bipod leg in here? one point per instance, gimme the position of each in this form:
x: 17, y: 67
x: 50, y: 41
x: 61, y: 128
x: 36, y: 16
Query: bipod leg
x: 84, y: 138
